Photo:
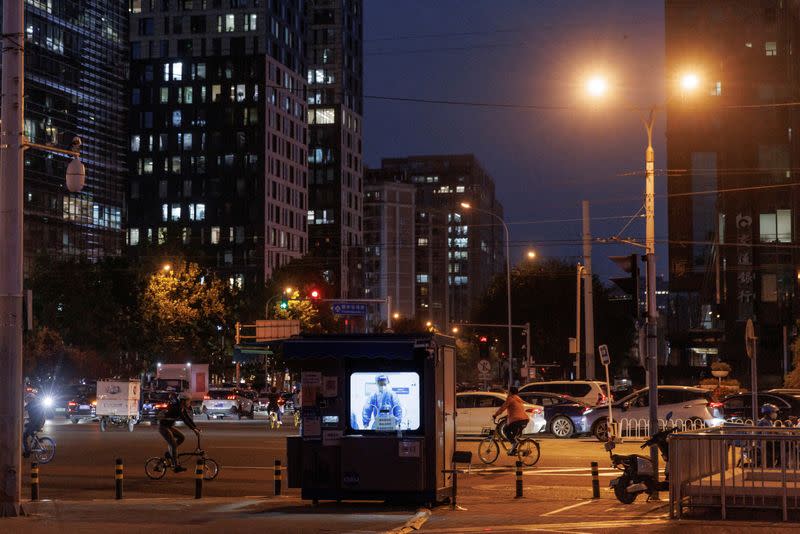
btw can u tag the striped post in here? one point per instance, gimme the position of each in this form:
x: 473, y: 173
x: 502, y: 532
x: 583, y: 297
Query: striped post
x: 595, y: 481
x: 34, y: 481
x: 278, y: 477
x: 198, y: 478
x: 118, y: 476
x: 519, y: 480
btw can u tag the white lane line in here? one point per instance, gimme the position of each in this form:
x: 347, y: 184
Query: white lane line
x: 246, y: 467
x: 570, y: 507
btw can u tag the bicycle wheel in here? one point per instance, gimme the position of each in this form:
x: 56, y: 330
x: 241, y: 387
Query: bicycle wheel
x: 155, y: 468
x: 45, y: 450
x: 488, y: 451
x: 528, y: 452
x: 211, y: 469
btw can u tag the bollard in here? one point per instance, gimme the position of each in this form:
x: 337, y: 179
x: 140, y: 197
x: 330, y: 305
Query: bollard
x: 198, y: 478
x: 519, y: 480
x: 278, y: 477
x: 118, y: 478
x: 34, y: 481
x: 595, y: 482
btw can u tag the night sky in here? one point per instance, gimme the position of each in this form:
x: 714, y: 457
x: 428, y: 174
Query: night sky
x: 526, y: 53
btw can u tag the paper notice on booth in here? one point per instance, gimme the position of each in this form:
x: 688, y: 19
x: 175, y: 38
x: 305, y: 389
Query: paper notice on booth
x: 330, y: 386
x: 331, y: 437
x: 312, y: 427
x: 310, y: 387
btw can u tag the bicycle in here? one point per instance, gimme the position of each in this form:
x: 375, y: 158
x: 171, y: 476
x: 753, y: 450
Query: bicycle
x: 296, y: 418
x: 274, y: 420
x: 43, y: 449
x: 156, y: 467
x: 489, y: 449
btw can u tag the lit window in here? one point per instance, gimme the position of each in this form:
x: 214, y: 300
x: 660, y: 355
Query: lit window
x: 187, y: 235
x: 459, y: 189
x: 163, y: 95
x: 240, y: 92
x: 136, y: 7
x: 162, y: 235
x: 187, y: 141
x: 229, y: 23
x: 176, y: 118
x: 164, y: 211
x: 188, y: 95
x: 250, y: 22
x: 776, y: 227
x: 200, y: 212
x: 177, y: 71
x: 133, y: 240
x: 422, y: 241
x: 215, y: 235
x: 175, y: 212
x: 324, y: 116
x: 135, y: 143
x: 216, y: 92
x: 147, y: 166
x: 422, y: 278
x: 771, y: 48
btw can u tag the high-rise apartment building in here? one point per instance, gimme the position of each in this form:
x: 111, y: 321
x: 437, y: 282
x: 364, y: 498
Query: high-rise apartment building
x: 75, y: 76
x: 334, y: 54
x: 733, y: 156
x: 389, y: 244
x: 218, y: 139
x: 457, y: 250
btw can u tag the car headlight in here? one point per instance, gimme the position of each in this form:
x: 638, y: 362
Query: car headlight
x: 47, y: 402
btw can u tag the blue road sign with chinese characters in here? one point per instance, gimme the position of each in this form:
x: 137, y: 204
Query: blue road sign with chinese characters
x: 349, y: 308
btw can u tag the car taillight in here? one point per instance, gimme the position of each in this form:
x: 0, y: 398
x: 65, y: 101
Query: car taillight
x: 206, y: 397
x: 231, y: 397
x: 72, y: 403
x: 534, y: 411
x: 160, y: 406
x: 94, y: 403
x: 715, y: 405
x: 601, y: 398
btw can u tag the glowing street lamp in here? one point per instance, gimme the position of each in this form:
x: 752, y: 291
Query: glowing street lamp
x: 597, y: 86
x: 166, y: 268
x: 288, y: 290
x: 531, y: 254
x: 395, y: 315
x: 690, y: 81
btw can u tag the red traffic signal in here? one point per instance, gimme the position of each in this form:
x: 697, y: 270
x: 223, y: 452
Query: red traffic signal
x: 314, y: 294
x: 484, y: 339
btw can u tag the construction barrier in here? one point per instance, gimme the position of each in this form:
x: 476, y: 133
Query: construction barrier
x: 34, y: 481
x: 519, y: 480
x: 198, y: 478
x: 278, y: 477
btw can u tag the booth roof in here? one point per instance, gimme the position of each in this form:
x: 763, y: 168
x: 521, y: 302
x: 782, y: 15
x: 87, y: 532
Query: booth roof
x: 373, y: 347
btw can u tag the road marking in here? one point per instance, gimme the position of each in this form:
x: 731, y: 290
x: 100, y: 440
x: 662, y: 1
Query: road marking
x: 611, y: 525
x: 415, y: 522
x: 570, y: 507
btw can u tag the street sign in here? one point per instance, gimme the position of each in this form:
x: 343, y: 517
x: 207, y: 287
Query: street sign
x: 484, y: 367
x: 605, y: 357
x: 349, y: 308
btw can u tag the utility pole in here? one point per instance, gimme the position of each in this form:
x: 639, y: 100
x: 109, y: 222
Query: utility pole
x: 652, y: 309
x: 579, y: 275
x: 11, y: 319
x: 588, y: 297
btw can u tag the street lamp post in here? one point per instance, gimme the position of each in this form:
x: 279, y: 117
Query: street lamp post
x: 468, y: 206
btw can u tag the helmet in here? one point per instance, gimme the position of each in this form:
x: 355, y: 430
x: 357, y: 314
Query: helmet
x: 767, y: 409
x: 382, y: 378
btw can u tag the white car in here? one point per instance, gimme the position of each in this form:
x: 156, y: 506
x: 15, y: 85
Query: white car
x: 475, y: 410
x: 683, y: 403
x: 228, y: 402
x: 591, y: 392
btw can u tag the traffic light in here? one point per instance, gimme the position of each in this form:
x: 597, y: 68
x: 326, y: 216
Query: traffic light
x: 629, y: 284
x: 483, y: 347
x: 284, y: 302
x: 315, y: 294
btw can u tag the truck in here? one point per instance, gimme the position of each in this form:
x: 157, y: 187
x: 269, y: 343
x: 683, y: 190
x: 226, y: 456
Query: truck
x: 118, y: 403
x: 184, y: 377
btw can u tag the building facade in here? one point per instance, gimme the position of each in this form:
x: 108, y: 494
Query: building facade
x: 218, y: 141
x: 733, y: 199
x: 334, y: 54
x: 389, y: 245
x: 458, y: 250
x: 75, y: 85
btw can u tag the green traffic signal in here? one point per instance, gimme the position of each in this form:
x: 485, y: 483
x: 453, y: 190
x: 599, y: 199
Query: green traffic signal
x: 284, y: 304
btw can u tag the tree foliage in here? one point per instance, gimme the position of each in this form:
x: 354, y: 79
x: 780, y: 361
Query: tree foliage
x: 543, y: 293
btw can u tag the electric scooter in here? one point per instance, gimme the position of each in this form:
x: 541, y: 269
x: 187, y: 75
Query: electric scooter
x: 638, y: 475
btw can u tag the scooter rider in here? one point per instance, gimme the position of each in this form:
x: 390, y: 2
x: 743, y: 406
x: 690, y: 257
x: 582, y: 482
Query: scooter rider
x: 769, y: 414
x: 178, y: 408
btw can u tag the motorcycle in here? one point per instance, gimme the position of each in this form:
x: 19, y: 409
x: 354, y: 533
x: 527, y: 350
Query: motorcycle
x: 638, y: 475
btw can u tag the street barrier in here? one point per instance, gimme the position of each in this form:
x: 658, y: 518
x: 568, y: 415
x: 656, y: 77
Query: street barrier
x: 34, y: 481
x: 595, y: 481
x: 278, y: 476
x: 118, y: 474
x: 519, y: 480
x: 735, y: 467
x: 198, y: 478
x: 640, y: 428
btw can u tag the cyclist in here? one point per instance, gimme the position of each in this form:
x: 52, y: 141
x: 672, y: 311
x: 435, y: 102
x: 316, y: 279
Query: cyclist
x: 274, y: 407
x: 34, y: 423
x: 178, y: 408
x: 517, y: 418
x: 769, y: 413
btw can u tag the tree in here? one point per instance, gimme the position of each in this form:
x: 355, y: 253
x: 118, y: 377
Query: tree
x: 792, y: 379
x: 543, y: 294
x: 182, y: 310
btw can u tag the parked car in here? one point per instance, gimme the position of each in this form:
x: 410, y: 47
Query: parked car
x: 563, y: 414
x: 591, y: 392
x: 738, y: 407
x: 475, y: 410
x: 787, y: 391
x: 81, y: 402
x: 227, y: 403
x: 685, y: 403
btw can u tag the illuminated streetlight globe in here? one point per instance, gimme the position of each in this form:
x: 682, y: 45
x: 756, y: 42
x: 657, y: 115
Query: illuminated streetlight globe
x: 395, y: 315
x: 531, y: 254
x: 690, y: 81
x: 287, y: 290
x: 597, y: 86
x: 167, y: 267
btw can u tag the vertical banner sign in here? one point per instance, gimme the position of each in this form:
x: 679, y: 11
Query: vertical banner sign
x: 744, y: 261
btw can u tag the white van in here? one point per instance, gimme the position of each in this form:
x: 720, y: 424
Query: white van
x: 592, y: 392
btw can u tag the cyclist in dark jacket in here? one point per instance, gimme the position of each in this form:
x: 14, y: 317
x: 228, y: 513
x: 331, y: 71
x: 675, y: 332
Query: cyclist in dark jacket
x: 178, y: 408
x: 33, y: 425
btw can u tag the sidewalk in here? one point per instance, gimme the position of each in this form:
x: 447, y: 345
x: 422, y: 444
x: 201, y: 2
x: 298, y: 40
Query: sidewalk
x: 181, y: 515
